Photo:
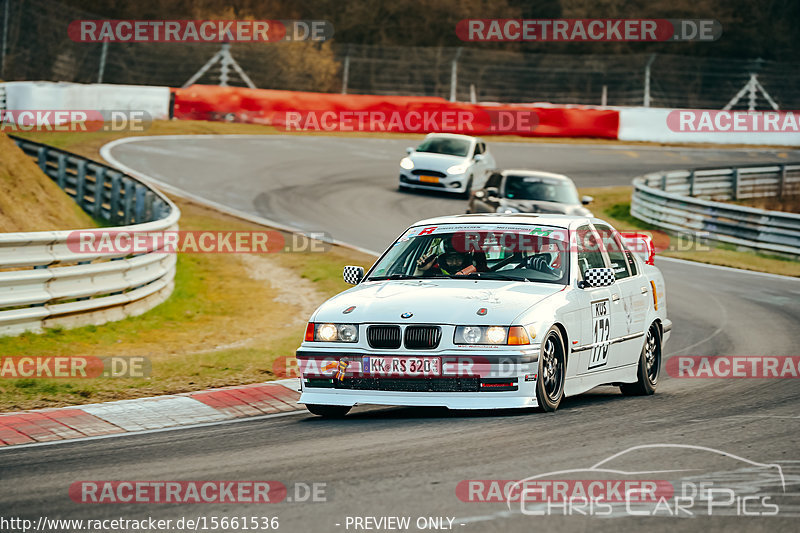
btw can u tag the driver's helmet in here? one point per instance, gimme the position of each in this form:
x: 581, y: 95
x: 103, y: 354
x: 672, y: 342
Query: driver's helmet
x: 453, y: 259
x: 452, y: 262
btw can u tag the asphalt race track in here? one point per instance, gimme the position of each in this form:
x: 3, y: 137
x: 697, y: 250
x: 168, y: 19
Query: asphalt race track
x: 408, y: 462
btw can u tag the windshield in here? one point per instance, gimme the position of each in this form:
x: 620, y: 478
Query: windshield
x: 447, y: 146
x: 489, y: 252
x: 542, y: 189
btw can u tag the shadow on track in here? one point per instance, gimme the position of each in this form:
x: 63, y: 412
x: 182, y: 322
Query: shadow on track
x: 592, y: 399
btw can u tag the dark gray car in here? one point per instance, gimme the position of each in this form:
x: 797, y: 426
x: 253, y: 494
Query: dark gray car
x: 528, y: 191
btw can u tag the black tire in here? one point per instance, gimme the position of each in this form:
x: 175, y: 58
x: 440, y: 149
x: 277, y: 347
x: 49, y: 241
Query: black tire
x: 468, y: 190
x: 649, y: 366
x: 552, y: 371
x: 328, y: 411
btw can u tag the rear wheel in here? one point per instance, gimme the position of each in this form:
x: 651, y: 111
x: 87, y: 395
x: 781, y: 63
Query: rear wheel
x: 552, y: 371
x: 328, y: 411
x: 649, y: 366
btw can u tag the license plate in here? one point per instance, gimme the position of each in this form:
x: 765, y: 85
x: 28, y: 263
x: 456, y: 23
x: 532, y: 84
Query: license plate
x: 402, y: 366
x: 429, y: 179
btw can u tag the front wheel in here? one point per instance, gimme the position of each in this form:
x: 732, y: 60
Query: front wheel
x: 552, y: 372
x: 649, y: 366
x: 328, y: 411
x: 468, y: 189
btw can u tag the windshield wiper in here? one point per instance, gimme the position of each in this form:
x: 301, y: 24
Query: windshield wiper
x: 391, y: 276
x: 485, y: 275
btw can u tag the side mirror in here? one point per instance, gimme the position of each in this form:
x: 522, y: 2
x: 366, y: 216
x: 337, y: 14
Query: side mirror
x: 409, y: 150
x: 478, y: 158
x: 586, y: 200
x: 353, y: 274
x: 492, y: 192
x: 598, y: 277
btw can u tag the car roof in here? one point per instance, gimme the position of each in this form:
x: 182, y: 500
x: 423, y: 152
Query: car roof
x: 545, y: 219
x: 534, y: 173
x: 452, y: 136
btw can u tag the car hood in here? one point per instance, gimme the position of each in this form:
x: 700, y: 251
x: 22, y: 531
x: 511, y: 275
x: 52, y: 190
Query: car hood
x: 445, y: 301
x: 439, y: 162
x: 539, y: 206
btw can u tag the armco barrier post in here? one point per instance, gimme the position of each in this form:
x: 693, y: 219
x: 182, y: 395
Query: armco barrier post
x: 41, y: 158
x: 99, y: 188
x: 128, y: 212
x: 735, y: 185
x: 691, y: 183
x: 781, y: 181
x: 62, y: 171
x: 113, y: 204
x: 80, y: 183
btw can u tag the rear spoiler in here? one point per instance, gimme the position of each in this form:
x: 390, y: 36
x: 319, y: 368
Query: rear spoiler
x: 641, y: 244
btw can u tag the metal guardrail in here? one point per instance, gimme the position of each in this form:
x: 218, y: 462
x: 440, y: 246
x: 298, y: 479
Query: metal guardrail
x: 681, y: 202
x: 45, y: 283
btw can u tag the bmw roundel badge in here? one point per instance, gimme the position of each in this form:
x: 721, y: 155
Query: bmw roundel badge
x: 406, y: 315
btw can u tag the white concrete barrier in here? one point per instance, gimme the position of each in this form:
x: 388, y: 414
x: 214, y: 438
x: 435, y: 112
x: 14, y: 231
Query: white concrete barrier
x: 46, y: 95
x: 651, y: 124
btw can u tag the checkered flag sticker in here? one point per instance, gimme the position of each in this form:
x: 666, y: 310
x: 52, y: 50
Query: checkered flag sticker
x: 599, y: 277
x: 353, y: 274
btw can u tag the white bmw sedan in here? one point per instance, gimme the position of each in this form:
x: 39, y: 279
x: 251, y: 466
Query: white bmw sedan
x: 447, y: 162
x: 489, y: 311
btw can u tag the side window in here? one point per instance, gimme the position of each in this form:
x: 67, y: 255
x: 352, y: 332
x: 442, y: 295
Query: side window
x: 478, y: 148
x: 616, y: 253
x: 483, y: 147
x: 494, y: 180
x: 589, y: 254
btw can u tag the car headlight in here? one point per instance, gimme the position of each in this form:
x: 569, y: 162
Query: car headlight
x: 514, y: 335
x: 458, y: 169
x: 406, y: 163
x: 323, y: 332
x: 506, y: 209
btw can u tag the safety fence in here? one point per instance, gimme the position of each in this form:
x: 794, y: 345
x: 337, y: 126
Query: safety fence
x: 46, y: 280
x: 682, y: 202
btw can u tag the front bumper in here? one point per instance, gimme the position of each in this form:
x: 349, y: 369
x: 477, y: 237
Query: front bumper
x: 525, y: 397
x: 469, y: 380
x: 450, y: 183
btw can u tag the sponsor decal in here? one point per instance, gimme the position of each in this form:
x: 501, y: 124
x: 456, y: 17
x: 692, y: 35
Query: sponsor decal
x: 341, y: 368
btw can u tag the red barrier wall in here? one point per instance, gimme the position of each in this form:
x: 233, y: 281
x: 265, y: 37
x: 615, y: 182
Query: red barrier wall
x: 261, y: 106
